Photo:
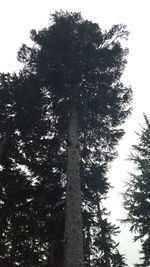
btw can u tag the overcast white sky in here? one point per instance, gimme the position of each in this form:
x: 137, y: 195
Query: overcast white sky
x: 18, y: 17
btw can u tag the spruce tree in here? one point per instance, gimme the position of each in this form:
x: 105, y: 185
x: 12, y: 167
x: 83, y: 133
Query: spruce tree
x: 69, y: 107
x: 137, y: 195
x: 81, y: 67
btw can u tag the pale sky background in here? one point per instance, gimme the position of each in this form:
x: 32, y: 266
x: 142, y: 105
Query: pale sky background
x: 18, y: 17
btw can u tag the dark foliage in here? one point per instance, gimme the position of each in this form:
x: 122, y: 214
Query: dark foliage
x: 70, y: 55
x: 137, y: 196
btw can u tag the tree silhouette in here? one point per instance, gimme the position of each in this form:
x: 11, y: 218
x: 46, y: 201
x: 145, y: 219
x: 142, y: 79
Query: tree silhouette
x: 137, y: 195
x: 68, y: 104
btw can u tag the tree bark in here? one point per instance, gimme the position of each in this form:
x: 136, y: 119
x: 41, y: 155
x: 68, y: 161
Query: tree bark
x: 74, y: 255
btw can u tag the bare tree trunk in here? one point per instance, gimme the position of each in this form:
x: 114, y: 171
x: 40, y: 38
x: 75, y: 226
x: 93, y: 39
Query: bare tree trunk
x: 74, y: 255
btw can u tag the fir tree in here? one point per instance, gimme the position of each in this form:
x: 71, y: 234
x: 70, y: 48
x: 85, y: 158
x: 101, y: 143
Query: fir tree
x: 68, y: 106
x: 137, y: 195
x: 81, y: 66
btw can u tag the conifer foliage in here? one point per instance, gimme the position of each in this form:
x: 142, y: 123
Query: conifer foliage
x: 60, y: 122
x: 137, y: 195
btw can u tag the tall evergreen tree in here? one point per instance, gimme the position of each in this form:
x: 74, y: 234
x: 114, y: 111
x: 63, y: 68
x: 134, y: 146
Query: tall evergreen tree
x: 137, y: 195
x: 81, y: 66
x: 68, y: 123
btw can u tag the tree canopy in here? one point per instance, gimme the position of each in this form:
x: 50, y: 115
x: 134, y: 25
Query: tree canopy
x: 60, y: 122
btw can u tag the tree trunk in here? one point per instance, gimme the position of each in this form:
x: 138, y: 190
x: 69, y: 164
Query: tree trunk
x: 74, y: 255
